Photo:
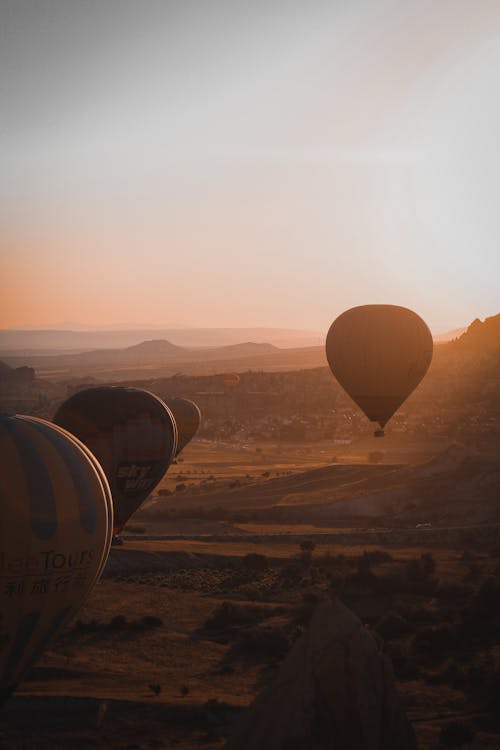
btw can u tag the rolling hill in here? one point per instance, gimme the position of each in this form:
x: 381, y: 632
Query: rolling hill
x: 455, y: 487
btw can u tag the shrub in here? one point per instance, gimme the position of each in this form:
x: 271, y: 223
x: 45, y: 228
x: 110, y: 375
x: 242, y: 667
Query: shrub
x: 392, y: 625
x: 336, y: 582
x: 150, y: 621
x: 393, y: 582
x: 481, y: 682
x: 260, y: 644
x: 305, y: 609
x: 254, y: 561
x: 456, y: 734
x: 307, y: 545
x: 290, y: 574
x: 378, y: 556
x: 488, y: 597
x: 228, y: 615
x: 427, y: 564
x: 435, y: 642
x: 307, y: 548
x: 252, y: 593
x: 453, y: 591
x: 92, y: 625
x: 119, y: 622
x: 482, y: 616
x: 420, y: 575
x: 136, y: 529
x: 328, y: 560
x: 419, y: 615
x: 404, y: 668
x: 363, y: 577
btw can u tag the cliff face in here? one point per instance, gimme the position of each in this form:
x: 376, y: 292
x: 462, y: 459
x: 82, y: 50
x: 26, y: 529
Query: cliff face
x: 481, y: 336
x: 334, y: 691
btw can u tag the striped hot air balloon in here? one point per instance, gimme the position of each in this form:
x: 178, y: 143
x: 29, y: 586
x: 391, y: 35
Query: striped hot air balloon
x: 133, y: 435
x: 55, y: 519
x: 187, y: 417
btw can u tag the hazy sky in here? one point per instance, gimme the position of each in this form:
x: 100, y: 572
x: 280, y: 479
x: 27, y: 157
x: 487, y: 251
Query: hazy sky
x: 267, y: 162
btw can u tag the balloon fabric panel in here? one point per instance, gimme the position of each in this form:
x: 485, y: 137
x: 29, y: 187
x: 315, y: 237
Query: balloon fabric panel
x: 39, y: 490
x: 45, y: 579
x: 84, y: 503
x: 80, y: 479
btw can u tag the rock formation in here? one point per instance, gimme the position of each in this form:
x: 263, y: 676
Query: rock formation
x: 334, y: 691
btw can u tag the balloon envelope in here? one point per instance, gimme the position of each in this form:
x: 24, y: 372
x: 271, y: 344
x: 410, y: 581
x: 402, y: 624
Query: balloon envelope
x: 133, y: 435
x: 54, y: 537
x: 187, y: 417
x: 231, y: 378
x: 379, y: 354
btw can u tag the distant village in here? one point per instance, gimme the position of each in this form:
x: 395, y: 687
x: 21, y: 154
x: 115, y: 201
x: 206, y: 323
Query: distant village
x: 458, y: 400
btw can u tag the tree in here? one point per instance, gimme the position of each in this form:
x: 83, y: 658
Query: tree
x: 307, y: 548
x: 456, y: 734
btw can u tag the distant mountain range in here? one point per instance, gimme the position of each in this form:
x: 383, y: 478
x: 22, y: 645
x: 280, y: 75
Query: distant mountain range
x: 55, y: 342
x: 147, y: 352
x: 49, y: 341
x: 161, y: 357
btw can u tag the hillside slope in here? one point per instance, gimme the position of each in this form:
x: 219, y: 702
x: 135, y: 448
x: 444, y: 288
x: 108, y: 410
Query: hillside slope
x: 455, y: 487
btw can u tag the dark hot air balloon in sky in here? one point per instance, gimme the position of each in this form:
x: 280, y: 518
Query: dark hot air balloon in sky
x: 187, y: 417
x: 379, y: 354
x: 55, y: 518
x: 231, y: 379
x: 133, y: 435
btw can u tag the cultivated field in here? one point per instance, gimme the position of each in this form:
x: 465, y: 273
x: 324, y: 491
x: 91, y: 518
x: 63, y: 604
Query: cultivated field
x: 194, y: 614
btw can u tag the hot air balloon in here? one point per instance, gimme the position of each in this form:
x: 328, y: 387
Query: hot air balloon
x: 379, y: 354
x: 187, y: 417
x: 133, y: 435
x: 55, y: 518
x: 231, y: 379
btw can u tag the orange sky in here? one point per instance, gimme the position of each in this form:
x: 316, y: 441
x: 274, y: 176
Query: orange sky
x: 249, y: 164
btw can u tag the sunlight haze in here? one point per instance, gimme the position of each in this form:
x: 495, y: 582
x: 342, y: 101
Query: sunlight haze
x: 248, y: 164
